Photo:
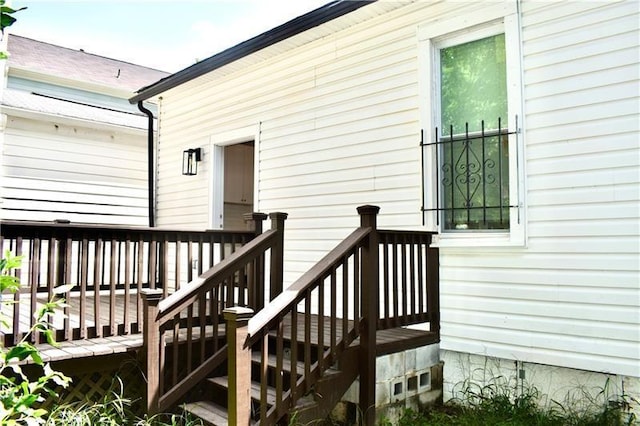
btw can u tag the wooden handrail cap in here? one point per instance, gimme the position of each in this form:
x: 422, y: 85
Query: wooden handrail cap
x: 151, y: 293
x: 254, y: 216
x: 368, y: 209
x: 278, y: 215
x: 237, y: 313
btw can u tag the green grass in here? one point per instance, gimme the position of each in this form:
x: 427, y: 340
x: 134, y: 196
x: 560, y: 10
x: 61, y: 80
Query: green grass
x: 493, y: 405
x: 113, y: 410
x: 499, y: 413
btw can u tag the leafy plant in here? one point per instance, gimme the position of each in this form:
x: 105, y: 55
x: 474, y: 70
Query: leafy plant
x: 6, y: 20
x: 8, y: 263
x: 19, y: 395
x: 113, y: 410
x: 6, y: 15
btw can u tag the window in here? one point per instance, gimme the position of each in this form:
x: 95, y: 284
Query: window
x: 471, y: 142
x: 471, y: 136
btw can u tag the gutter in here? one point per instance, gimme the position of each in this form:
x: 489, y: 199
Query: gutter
x: 298, y: 25
x: 150, y: 152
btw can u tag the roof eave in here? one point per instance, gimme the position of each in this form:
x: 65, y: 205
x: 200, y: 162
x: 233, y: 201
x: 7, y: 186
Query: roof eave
x: 298, y: 25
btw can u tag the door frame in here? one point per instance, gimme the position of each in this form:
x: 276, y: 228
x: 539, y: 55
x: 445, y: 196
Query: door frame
x: 217, y: 142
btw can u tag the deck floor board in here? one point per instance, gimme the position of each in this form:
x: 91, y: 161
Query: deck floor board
x: 387, y: 341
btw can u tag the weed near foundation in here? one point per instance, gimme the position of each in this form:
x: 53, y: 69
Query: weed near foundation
x: 495, y: 405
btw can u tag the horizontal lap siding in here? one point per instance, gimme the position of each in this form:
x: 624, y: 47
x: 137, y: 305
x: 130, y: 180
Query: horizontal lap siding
x: 358, y: 142
x: 572, y: 297
x: 75, y: 173
x: 339, y: 128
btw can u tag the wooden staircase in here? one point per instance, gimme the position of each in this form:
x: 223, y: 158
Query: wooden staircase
x: 299, y: 353
x: 211, y: 404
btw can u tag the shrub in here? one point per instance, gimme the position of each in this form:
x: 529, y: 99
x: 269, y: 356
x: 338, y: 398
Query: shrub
x: 19, y: 395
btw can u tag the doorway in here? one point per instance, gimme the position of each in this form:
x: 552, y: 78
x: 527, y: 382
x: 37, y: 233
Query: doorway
x: 238, y: 184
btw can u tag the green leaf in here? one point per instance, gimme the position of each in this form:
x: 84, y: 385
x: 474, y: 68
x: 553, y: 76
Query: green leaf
x: 39, y: 412
x: 7, y: 9
x: 62, y: 289
x: 9, y: 283
x: 40, y: 313
x: 6, y: 20
x: 10, y: 261
x: 28, y: 400
x: 51, y: 339
x: 21, y: 352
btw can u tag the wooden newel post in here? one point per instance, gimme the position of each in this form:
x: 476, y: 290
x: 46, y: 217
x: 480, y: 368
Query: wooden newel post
x: 239, y: 358
x: 254, y: 221
x: 255, y: 277
x: 433, y: 289
x: 151, y: 341
x: 277, y: 254
x: 369, y: 303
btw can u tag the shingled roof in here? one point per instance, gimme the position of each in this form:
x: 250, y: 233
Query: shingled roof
x: 78, y: 65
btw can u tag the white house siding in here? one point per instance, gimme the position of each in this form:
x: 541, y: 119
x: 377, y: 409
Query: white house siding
x: 571, y: 298
x: 74, y: 172
x: 339, y: 128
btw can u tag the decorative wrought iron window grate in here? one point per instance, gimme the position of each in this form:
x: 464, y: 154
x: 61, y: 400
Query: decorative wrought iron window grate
x: 472, y: 178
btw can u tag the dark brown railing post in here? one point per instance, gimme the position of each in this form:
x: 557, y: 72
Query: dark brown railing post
x: 151, y: 340
x: 256, y: 278
x: 369, y: 282
x: 239, y: 359
x: 433, y: 288
x: 254, y: 221
x: 277, y: 254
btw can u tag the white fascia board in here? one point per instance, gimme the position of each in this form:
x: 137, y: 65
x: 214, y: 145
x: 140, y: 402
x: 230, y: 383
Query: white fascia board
x: 71, y: 121
x: 67, y: 82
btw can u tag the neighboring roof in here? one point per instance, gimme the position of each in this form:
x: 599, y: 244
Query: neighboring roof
x: 326, y: 13
x: 19, y: 100
x: 78, y: 65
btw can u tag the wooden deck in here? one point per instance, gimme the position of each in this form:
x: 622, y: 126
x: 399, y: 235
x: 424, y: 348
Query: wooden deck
x: 387, y: 341
x: 74, y: 316
x: 385, y: 279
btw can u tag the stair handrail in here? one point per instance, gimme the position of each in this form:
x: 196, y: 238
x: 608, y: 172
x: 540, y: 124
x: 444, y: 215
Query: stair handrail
x: 160, y: 312
x: 268, y: 316
x: 186, y: 295
x: 362, y: 244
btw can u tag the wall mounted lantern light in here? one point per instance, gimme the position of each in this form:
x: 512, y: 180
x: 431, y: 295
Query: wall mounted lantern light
x: 190, y: 158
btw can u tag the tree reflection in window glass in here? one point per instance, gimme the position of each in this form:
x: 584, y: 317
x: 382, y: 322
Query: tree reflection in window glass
x: 474, y: 172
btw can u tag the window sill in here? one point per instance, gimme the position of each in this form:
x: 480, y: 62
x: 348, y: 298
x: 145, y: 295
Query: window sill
x: 478, y: 239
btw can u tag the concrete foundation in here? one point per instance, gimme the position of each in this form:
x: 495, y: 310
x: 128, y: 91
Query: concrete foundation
x: 556, y: 387
x: 409, y: 379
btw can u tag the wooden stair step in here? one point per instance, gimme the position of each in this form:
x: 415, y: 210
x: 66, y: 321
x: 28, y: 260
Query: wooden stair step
x: 272, y: 360
x: 210, y: 413
x: 223, y: 381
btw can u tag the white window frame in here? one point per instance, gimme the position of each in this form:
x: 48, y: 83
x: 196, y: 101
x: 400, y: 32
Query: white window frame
x: 431, y: 38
